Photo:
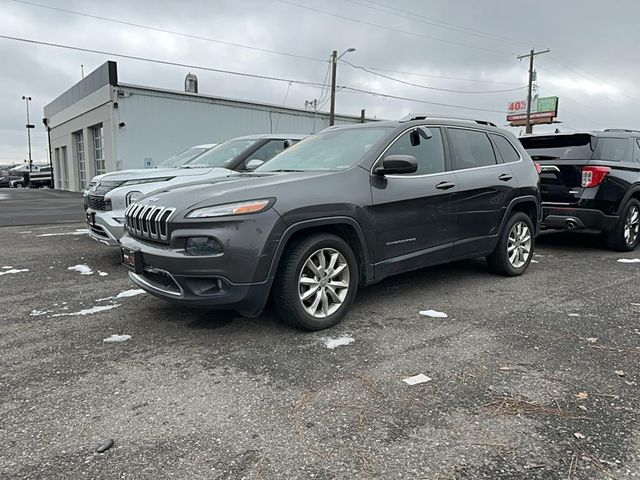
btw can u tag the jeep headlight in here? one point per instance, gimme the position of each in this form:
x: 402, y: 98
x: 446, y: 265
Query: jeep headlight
x: 241, y: 208
x: 133, y: 197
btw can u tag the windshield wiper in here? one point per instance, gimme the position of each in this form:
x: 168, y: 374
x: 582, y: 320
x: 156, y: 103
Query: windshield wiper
x: 287, y: 170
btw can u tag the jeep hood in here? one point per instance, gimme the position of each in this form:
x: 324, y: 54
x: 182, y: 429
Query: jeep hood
x: 233, y: 188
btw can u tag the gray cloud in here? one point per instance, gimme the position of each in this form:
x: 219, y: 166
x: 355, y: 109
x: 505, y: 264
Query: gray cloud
x: 592, y: 67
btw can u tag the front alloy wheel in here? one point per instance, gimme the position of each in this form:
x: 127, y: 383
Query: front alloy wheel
x: 519, y: 244
x: 317, y: 281
x: 323, y: 284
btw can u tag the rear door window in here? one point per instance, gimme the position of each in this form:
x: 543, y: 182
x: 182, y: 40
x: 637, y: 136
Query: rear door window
x: 636, y: 150
x: 507, y: 151
x: 613, y: 149
x: 470, y: 149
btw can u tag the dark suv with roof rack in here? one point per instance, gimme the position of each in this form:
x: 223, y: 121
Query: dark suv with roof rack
x: 591, y: 181
x: 343, y: 208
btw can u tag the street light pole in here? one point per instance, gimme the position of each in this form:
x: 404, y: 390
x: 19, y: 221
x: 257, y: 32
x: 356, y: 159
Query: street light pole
x: 334, y: 63
x: 29, y: 127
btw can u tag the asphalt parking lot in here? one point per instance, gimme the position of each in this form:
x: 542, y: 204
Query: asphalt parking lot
x: 39, y: 207
x: 533, y: 377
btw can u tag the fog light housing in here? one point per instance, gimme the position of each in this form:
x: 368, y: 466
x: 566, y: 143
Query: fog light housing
x: 202, y: 246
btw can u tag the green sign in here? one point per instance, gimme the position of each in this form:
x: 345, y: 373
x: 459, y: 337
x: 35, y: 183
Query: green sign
x: 547, y: 104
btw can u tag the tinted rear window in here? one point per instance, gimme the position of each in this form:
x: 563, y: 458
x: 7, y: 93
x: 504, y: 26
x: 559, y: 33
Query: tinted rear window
x: 470, y: 149
x: 507, y: 151
x: 563, y: 147
x: 613, y: 149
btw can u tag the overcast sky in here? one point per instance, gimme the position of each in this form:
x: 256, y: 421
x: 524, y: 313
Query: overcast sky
x: 594, y: 64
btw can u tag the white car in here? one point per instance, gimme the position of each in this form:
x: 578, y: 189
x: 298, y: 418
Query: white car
x: 106, y: 201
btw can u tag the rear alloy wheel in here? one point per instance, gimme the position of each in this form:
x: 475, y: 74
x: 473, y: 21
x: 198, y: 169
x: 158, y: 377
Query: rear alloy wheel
x: 624, y: 237
x: 515, y: 247
x: 317, y: 282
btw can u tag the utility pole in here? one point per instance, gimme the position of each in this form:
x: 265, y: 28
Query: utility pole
x: 533, y: 53
x: 29, y: 127
x: 334, y: 63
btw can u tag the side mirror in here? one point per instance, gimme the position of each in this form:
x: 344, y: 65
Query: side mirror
x: 418, y: 132
x: 397, y: 164
x: 288, y: 143
x: 253, y: 164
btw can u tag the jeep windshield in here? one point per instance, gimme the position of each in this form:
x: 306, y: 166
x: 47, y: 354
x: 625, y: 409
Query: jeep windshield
x: 222, y: 155
x: 330, y: 150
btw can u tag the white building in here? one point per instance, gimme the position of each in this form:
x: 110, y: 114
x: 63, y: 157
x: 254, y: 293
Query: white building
x: 100, y: 125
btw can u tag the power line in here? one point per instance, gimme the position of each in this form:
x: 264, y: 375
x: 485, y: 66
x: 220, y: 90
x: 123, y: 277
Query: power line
x: 426, y: 75
x: 242, y: 74
x: 397, y: 97
x: 387, y: 9
x: 426, y: 86
x: 397, y: 30
x: 232, y: 44
x: 172, y: 32
x: 162, y: 62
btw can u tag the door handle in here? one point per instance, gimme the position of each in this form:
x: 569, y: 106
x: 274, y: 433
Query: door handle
x: 505, y: 177
x: 445, y: 185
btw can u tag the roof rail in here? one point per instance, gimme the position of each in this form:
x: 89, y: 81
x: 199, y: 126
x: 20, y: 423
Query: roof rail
x: 621, y: 130
x: 423, y: 116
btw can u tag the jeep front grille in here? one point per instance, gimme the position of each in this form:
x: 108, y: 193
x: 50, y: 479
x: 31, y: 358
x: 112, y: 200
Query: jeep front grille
x: 148, y: 221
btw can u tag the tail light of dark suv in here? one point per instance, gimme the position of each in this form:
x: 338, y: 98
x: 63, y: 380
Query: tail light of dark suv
x: 594, y: 176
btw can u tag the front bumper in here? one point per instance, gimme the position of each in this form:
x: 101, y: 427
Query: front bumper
x: 237, y: 278
x: 218, y: 292
x: 105, y: 227
x: 568, y: 218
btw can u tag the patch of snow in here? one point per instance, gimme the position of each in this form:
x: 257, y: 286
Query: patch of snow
x: 13, y: 270
x: 416, y: 379
x: 332, y: 343
x: 115, y: 338
x: 102, y: 274
x: 574, y: 314
x: 26, y: 231
x: 105, y: 299
x: 37, y: 313
x: 4, y: 196
x: 629, y: 260
x: 433, y: 314
x: 88, y: 311
x: 78, y: 231
x: 7, y: 267
x: 84, y: 269
x: 130, y: 293
x: 534, y: 261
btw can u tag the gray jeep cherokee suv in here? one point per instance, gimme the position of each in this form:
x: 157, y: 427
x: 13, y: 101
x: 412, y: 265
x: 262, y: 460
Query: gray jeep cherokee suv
x: 344, y: 208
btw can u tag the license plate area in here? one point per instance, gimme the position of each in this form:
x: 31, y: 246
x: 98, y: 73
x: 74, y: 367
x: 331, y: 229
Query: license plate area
x: 132, y: 259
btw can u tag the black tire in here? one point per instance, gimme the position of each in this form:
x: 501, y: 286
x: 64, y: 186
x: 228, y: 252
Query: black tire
x: 616, y: 239
x: 499, y: 260
x: 286, y: 288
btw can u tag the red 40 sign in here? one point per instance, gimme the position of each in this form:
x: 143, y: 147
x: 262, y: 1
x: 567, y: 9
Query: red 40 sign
x: 517, y: 106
